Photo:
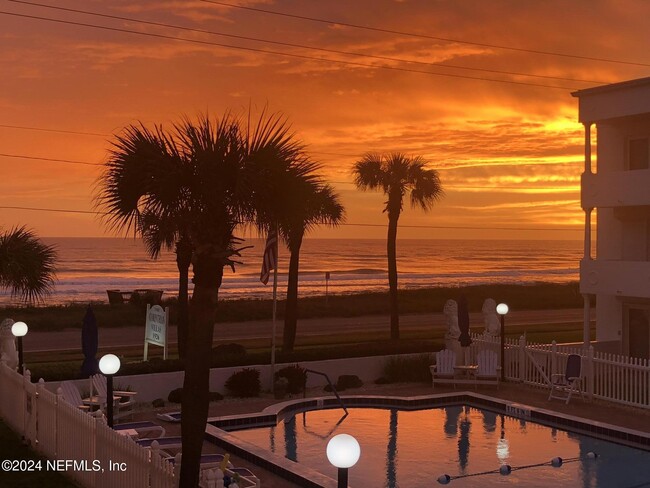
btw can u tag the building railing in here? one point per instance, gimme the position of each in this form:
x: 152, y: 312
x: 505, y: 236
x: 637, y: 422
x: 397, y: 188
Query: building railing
x: 611, y: 377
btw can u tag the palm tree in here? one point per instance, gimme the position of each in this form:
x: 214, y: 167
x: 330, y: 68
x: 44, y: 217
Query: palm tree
x: 26, y: 265
x: 141, y: 191
x: 396, y: 175
x: 318, y: 205
x: 210, y: 175
x: 298, y: 199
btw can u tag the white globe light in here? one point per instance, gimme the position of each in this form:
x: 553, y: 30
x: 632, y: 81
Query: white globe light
x: 343, y: 451
x: 19, y: 329
x: 502, y: 309
x: 109, y: 364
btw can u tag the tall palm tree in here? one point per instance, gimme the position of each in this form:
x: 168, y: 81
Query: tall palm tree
x: 26, y: 264
x: 212, y: 173
x: 298, y: 200
x: 318, y: 205
x: 141, y: 192
x: 397, y: 175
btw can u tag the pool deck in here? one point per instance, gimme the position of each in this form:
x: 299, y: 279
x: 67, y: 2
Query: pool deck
x: 599, y: 411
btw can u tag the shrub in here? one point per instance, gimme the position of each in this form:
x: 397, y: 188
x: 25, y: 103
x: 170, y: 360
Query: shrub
x: 175, y: 396
x: 296, y: 377
x: 158, y: 402
x: 404, y: 370
x: 228, y: 351
x: 346, y: 381
x: 244, y: 383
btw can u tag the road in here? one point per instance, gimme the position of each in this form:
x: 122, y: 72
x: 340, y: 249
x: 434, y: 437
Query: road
x: 70, y: 339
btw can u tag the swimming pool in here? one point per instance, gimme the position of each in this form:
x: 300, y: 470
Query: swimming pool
x: 411, y: 449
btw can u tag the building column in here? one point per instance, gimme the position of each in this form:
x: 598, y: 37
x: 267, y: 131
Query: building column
x: 586, y: 328
x: 587, y: 147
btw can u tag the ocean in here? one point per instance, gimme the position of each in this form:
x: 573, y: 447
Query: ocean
x: 87, y: 267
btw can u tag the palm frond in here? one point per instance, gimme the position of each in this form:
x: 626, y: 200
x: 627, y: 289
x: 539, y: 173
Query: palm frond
x: 27, y: 266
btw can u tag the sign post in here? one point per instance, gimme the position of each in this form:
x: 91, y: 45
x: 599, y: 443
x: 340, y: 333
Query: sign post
x: 327, y: 282
x: 155, y: 329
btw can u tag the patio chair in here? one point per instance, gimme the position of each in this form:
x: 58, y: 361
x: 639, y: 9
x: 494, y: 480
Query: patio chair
x: 443, y: 370
x: 71, y: 395
x: 122, y: 400
x: 564, y: 385
x: 487, y: 371
x: 207, y: 461
x: 143, y: 428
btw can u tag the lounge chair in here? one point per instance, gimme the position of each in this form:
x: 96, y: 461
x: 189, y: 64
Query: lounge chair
x: 564, y: 385
x: 164, y: 443
x: 487, y: 371
x: 122, y: 400
x: 144, y: 428
x: 443, y: 370
x: 208, y: 461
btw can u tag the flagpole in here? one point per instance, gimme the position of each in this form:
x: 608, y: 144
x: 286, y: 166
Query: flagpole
x: 275, y: 307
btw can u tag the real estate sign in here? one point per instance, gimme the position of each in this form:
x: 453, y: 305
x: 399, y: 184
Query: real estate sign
x: 156, y: 324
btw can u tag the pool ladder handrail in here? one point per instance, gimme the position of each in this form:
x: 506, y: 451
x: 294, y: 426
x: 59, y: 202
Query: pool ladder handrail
x: 336, y: 393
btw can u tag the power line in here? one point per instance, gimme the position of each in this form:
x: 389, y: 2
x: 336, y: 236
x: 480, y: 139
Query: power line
x: 68, y: 161
x: 6, y: 126
x: 279, y: 53
x: 424, y: 36
x: 302, y: 46
x: 361, y: 224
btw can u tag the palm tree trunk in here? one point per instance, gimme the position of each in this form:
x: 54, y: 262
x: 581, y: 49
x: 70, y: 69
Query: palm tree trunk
x: 183, y: 260
x: 392, y: 274
x: 291, y: 309
x: 208, y: 272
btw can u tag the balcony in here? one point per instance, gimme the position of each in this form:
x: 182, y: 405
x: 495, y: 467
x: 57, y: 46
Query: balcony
x: 619, y: 278
x: 615, y: 189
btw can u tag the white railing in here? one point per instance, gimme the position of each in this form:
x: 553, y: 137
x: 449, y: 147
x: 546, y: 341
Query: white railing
x: 61, y: 432
x: 611, y: 377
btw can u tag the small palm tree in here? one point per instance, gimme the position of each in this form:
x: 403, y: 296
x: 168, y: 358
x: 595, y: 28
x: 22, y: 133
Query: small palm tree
x: 317, y: 206
x: 397, y: 175
x: 26, y: 265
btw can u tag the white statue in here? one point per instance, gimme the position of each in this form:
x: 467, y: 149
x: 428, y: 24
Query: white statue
x: 453, y: 331
x: 8, y: 352
x: 451, y: 316
x: 491, y: 318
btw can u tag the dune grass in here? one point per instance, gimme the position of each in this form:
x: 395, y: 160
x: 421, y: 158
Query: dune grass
x: 520, y: 297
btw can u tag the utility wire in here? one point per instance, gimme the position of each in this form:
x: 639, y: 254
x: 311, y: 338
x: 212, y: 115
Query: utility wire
x: 302, y: 46
x: 280, y: 53
x: 423, y: 36
x: 6, y: 126
x: 68, y: 161
x: 363, y: 224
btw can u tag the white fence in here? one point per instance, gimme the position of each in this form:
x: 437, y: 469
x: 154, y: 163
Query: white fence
x: 611, y: 377
x: 63, y: 433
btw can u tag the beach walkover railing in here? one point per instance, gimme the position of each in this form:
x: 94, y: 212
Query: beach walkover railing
x: 75, y: 442
x: 611, y: 377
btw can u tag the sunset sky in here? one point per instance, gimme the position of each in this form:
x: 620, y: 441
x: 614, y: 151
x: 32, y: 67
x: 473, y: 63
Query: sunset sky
x: 509, y: 154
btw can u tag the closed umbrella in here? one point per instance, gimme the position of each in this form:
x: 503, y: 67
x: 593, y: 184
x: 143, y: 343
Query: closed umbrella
x: 89, y: 341
x: 463, y: 324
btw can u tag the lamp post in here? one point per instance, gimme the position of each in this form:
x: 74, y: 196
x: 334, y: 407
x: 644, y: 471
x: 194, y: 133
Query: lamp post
x: 109, y: 364
x: 19, y: 330
x: 502, y: 310
x: 343, y: 451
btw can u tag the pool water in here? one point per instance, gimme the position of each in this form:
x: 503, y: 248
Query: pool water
x: 411, y: 449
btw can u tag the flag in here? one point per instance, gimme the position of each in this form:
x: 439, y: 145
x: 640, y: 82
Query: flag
x: 270, y: 259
